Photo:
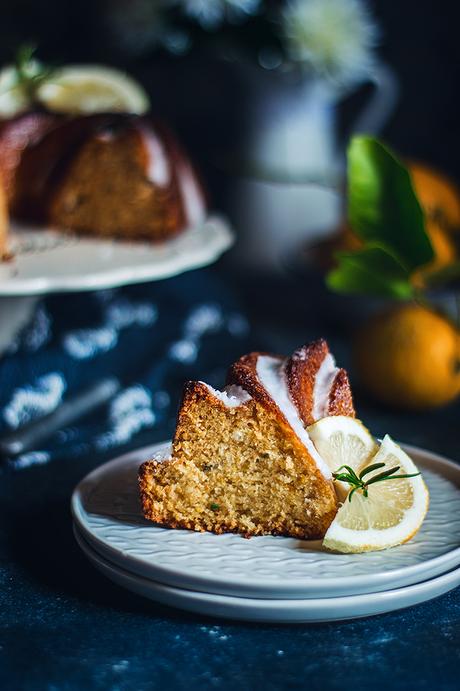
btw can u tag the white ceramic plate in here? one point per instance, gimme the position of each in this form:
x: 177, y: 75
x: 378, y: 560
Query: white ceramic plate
x: 49, y: 261
x: 273, y: 610
x: 107, y: 513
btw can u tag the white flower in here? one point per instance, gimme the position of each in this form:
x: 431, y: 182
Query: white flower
x: 333, y: 37
x: 213, y: 13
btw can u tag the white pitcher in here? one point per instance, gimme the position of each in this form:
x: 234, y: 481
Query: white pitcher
x: 289, y: 190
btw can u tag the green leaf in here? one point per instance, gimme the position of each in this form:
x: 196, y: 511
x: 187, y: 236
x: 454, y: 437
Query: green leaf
x: 370, y: 271
x: 382, y: 205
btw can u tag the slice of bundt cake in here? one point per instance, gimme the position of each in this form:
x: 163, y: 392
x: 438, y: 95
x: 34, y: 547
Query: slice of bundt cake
x: 242, y: 460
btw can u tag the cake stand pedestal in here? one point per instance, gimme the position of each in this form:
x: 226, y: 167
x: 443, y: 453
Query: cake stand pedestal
x: 15, y: 313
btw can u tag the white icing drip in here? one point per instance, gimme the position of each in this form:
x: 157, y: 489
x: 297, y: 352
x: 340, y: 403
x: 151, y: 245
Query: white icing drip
x: 232, y: 396
x: 158, y: 167
x: 192, y: 197
x: 322, y: 389
x: 270, y: 372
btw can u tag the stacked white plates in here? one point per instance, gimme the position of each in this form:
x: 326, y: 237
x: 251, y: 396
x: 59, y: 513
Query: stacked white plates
x: 273, y: 579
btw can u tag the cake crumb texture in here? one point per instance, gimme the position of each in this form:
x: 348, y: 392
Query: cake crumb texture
x: 237, y: 469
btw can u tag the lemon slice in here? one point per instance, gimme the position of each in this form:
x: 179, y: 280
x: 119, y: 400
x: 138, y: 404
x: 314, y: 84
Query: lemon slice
x: 392, y: 512
x: 92, y: 89
x: 342, y: 440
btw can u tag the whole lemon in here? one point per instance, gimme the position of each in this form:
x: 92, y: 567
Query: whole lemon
x: 409, y: 356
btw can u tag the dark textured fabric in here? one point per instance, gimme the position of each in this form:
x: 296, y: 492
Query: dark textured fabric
x: 155, y: 336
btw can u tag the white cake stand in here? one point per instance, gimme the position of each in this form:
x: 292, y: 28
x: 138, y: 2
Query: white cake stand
x: 49, y: 261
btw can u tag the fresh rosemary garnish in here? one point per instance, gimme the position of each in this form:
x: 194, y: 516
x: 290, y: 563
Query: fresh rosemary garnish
x: 358, y: 483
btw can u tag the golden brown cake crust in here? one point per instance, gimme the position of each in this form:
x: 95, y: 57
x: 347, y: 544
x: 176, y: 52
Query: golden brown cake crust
x: 340, y: 396
x: 243, y: 373
x: 301, y: 370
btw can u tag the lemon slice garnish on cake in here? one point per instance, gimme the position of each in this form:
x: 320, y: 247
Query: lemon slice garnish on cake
x: 342, y: 440
x: 386, y: 509
x: 88, y: 89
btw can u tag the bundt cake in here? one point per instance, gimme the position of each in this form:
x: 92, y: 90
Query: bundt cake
x: 242, y: 460
x: 105, y: 175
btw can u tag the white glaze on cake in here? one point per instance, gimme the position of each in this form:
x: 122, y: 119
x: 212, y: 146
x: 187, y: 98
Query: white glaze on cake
x: 322, y: 389
x: 232, y: 396
x: 158, y: 167
x: 270, y: 371
x: 192, y: 196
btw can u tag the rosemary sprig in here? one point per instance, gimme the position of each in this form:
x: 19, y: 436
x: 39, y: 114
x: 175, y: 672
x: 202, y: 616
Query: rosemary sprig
x: 358, y: 483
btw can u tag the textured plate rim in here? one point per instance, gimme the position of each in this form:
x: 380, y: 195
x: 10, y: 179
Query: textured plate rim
x: 272, y: 610
x: 184, y: 260
x: 296, y: 587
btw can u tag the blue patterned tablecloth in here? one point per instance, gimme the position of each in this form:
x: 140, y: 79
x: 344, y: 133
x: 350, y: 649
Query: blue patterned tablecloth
x: 155, y: 335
